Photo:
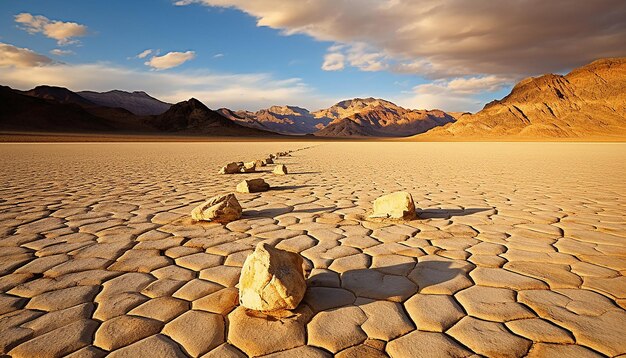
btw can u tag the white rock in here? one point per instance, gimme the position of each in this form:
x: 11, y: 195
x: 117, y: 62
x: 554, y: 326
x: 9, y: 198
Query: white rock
x: 398, y: 205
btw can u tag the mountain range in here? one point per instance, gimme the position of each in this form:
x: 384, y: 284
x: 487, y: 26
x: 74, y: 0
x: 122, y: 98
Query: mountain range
x: 588, y: 102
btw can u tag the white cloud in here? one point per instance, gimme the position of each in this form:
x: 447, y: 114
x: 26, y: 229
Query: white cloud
x: 451, y: 38
x: 170, y: 60
x: 59, y: 52
x: 358, y: 55
x: 457, y: 95
x: 144, y: 53
x: 218, y: 55
x: 333, y: 62
x: 236, y: 91
x: 61, y: 31
x: 12, y: 56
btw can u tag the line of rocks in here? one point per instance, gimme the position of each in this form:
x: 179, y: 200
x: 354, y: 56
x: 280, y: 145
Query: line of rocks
x: 271, y: 279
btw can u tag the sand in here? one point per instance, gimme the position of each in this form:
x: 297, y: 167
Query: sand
x: 519, y: 248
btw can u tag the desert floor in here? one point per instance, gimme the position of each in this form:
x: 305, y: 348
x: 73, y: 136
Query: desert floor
x: 520, y: 248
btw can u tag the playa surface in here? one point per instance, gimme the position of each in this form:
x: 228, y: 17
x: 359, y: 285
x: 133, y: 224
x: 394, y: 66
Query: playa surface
x: 519, y: 248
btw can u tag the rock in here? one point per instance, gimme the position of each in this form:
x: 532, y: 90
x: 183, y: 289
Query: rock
x: 280, y: 169
x: 253, y: 186
x: 231, y: 168
x: 249, y: 167
x: 271, y: 279
x: 221, y: 208
x: 398, y: 205
x: 269, y: 160
x: 260, y: 163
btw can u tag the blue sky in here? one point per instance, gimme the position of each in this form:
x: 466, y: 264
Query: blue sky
x: 252, y: 54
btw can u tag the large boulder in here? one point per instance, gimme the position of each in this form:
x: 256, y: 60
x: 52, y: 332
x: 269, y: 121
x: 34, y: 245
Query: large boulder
x: 221, y: 208
x: 280, y: 169
x: 398, y: 205
x: 249, y: 167
x: 231, y: 168
x: 271, y: 279
x: 253, y: 186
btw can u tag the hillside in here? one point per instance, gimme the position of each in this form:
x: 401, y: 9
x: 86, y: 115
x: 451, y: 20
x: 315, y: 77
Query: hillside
x: 138, y: 102
x: 377, y: 117
x: 194, y: 118
x: 588, y: 102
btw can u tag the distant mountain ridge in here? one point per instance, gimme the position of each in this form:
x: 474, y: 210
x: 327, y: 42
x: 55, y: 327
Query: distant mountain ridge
x: 137, y: 102
x: 50, y: 109
x: 378, y: 117
x: 590, y: 101
x: 367, y: 117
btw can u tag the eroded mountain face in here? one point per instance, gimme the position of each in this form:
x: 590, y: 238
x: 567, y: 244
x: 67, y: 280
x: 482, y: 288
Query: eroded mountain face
x: 590, y: 101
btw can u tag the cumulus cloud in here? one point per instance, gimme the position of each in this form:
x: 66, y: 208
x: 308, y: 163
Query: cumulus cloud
x: 170, y: 60
x: 451, y: 38
x: 236, y: 91
x: 59, y: 52
x: 12, y: 56
x: 61, y: 31
x: 333, y: 61
x: 144, y: 53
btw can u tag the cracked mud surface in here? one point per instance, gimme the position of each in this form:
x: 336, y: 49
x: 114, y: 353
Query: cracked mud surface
x: 519, y: 249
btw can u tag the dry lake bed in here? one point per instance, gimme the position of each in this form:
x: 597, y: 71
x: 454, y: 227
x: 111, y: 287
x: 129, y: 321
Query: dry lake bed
x: 519, y: 249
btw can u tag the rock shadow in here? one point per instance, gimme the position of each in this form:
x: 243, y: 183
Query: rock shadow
x: 291, y: 187
x: 447, y: 213
x: 395, y: 283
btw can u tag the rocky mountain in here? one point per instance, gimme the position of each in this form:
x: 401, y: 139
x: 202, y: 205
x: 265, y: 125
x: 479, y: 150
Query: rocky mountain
x: 194, y: 118
x: 588, y: 102
x: 137, y: 102
x: 49, y: 109
x: 378, y: 117
x: 58, y: 94
x: 280, y: 119
x: 21, y: 112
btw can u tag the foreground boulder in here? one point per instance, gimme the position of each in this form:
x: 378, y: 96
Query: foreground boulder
x: 221, y: 208
x: 280, y: 169
x: 253, y: 186
x: 271, y: 279
x: 231, y: 168
x: 398, y: 205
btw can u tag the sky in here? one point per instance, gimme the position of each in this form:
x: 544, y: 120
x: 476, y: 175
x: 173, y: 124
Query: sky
x: 454, y: 55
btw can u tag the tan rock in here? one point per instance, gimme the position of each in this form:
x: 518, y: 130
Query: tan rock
x: 231, y: 168
x: 248, y: 167
x: 253, y: 186
x: 398, y: 205
x: 259, y: 163
x: 221, y: 208
x: 271, y: 279
x: 280, y: 169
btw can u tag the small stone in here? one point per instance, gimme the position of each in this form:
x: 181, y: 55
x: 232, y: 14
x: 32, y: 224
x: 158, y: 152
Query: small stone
x: 249, y: 167
x: 253, y: 186
x: 398, y: 205
x: 271, y: 279
x: 280, y: 169
x: 259, y: 163
x: 231, y: 168
x: 221, y: 208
